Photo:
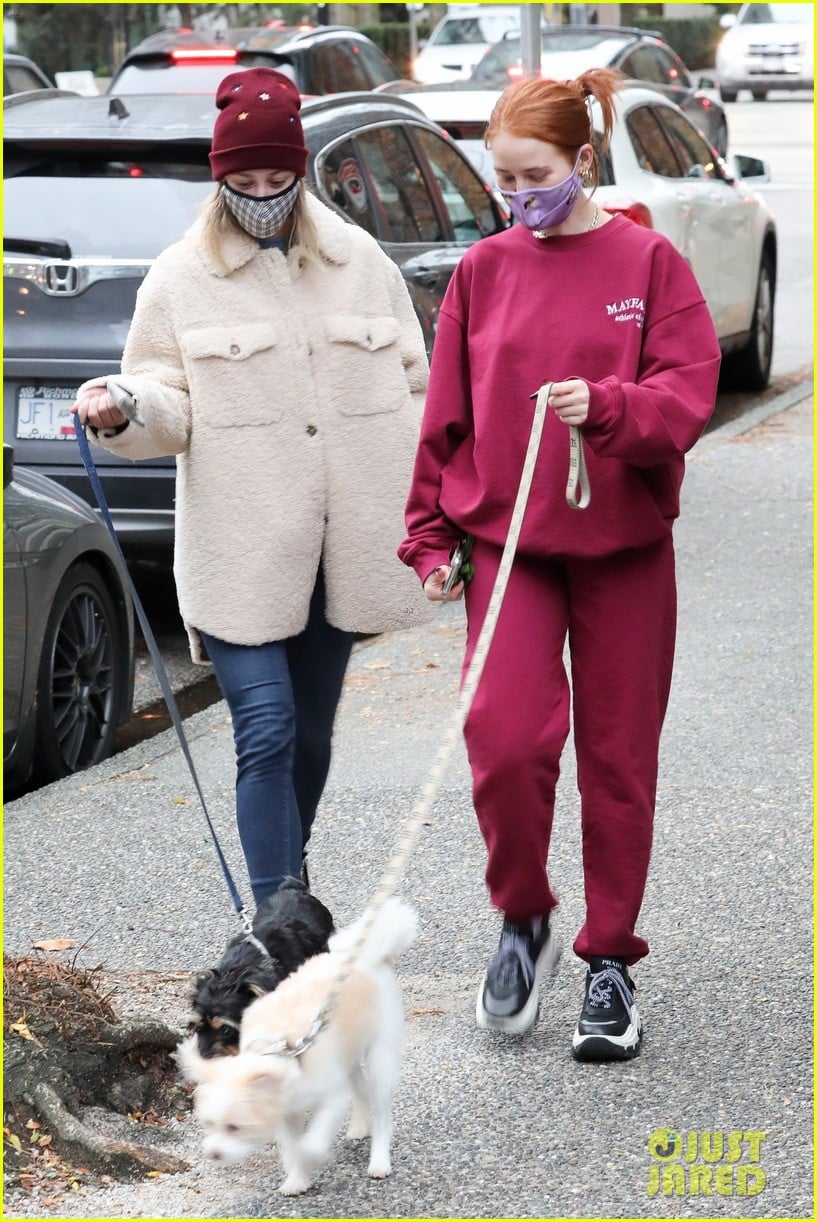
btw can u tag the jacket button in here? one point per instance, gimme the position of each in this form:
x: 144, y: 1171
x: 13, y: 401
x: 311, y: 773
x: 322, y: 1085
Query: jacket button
x: 311, y: 430
x: 234, y: 349
x: 310, y: 349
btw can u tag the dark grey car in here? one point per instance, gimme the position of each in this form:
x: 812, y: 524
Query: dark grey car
x: 321, y: 60
x: 96, y: 187
x: 67, y: 631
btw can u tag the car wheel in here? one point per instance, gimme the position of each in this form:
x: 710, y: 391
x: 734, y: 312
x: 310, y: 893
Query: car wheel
x: 721, y: 138
x: 759, y: 95
x: 81, y: 677
x: 749, y: 368
x: 728, y: 95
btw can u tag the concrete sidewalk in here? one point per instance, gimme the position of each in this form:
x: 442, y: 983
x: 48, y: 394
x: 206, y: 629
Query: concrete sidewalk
x: 119, y: 860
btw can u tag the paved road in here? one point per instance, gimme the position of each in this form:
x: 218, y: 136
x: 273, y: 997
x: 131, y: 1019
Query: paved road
x: 118, y: 859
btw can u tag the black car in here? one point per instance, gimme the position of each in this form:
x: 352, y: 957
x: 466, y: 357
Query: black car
x: 67, y: 631
x: 95, y: 188
x: 639, y: 55
x: 327, y: 59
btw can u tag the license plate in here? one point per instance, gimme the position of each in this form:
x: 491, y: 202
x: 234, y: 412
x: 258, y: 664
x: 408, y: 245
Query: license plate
x: 772, y: 63
x: 43, y: 413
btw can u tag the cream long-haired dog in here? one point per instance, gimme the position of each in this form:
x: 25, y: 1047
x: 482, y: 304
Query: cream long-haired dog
x: 266, y: 1094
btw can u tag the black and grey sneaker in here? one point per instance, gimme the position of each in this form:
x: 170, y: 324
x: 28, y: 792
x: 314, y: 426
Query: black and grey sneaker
x: 508, y: 998
x: 610, y: 1026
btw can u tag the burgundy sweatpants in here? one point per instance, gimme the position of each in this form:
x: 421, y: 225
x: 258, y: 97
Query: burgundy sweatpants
x: 618, y: 615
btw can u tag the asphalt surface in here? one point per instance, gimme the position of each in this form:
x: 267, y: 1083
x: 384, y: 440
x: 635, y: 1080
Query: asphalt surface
x: 118, y: 859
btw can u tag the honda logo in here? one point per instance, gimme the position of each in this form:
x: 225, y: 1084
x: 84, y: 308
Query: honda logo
x: 61, y: 280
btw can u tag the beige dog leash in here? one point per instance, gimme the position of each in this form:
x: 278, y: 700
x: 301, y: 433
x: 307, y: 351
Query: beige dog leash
x: 577, y: 479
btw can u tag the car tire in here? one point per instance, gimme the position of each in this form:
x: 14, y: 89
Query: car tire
x: 749, y: 368
x: 81, y: 678
x: 759, y: 94
x: 728, y: 95
x: 721, y: 138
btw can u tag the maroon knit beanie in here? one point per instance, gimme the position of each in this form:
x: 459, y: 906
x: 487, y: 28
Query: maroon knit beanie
x: 258, y: 127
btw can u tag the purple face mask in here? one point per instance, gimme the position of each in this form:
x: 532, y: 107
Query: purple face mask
x: 546, y: 207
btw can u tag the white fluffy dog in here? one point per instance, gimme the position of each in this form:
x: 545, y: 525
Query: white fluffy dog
x: 265, y: 1094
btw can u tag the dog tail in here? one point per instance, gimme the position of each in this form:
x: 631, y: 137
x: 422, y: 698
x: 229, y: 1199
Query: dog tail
x: 394, y: 930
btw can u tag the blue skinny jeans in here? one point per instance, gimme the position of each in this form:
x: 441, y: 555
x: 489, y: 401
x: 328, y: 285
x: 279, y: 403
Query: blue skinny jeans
x: 282, y: 698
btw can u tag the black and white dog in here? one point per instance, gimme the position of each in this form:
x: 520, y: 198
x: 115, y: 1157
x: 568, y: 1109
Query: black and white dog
x: 289, y: 927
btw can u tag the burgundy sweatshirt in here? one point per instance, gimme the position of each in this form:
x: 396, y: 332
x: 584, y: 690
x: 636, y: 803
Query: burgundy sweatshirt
x: 617, y: 307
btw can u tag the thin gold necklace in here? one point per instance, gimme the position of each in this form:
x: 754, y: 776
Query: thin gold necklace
x: 543, y: 233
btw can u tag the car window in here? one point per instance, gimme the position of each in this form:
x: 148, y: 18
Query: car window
x: 17, y: 78
x: 131, y: 206
x: 676, y: 73
x: 694, y: 154
x: 762, y: 14
x: 467, y: 202
x: 460, y: 30
x: 344, y: 182
x: 406, y: 208
x: 650, y: 143
x: 647, y: 64
x: 378, y: 68
x: 347, y: 68
x: 317, y: 71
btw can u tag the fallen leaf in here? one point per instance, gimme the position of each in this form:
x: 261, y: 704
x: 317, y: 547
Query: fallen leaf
x: 21, y: 1028
x: 154, y: 1175
x: 14, y: 1140
x: 180, y: 801
x: 54, y: 944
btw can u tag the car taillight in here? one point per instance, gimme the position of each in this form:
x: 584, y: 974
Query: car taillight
x: 225, y: 55
x: 639, y: 213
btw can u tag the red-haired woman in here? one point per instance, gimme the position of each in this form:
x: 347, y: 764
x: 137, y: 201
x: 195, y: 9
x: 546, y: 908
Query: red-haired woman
x: 610, y: 313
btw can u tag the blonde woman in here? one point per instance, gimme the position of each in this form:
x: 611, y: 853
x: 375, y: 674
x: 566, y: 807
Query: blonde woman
x: 275, y: 351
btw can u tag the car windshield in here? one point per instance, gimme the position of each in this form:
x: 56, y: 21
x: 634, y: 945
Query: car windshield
x: 485, y: 28
x: 776, y: 14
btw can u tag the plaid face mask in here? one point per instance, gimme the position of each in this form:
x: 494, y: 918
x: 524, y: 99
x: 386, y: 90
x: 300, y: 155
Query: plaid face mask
x: 261, y: 216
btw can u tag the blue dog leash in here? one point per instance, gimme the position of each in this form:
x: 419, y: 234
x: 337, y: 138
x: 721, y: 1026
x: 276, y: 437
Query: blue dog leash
x: 158, y: 665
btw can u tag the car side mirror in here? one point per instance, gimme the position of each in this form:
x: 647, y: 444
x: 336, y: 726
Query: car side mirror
x: 754, y: 169
x: 8, y: 465
x: 727, y: 21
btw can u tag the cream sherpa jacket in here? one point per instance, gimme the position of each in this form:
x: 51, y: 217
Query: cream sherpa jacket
x: 291, y: 396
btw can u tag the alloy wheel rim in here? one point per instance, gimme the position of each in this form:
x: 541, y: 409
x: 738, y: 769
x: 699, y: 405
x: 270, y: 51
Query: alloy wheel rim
x: 82, y: 681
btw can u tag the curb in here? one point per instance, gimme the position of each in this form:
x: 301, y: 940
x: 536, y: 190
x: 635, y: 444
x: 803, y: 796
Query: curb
x: 757, y: 415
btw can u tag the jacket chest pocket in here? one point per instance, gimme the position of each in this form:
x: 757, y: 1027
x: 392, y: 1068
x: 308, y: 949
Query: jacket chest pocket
x: 366, y: 374
x: 234, y: 374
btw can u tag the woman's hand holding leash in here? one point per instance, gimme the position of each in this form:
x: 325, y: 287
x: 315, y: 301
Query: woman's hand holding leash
x: 96, y: 408
x: 570, y: 401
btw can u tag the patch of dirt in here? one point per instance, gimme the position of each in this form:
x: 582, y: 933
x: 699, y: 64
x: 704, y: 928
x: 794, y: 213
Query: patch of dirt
x: 91, y: 1095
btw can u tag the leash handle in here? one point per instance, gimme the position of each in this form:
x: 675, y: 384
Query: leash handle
x: 577, y: 480
x: 158, y: 664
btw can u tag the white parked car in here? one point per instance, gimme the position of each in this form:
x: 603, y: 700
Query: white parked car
x: 766, y: 46
x: 661, y: 172
x: 459, y: 41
